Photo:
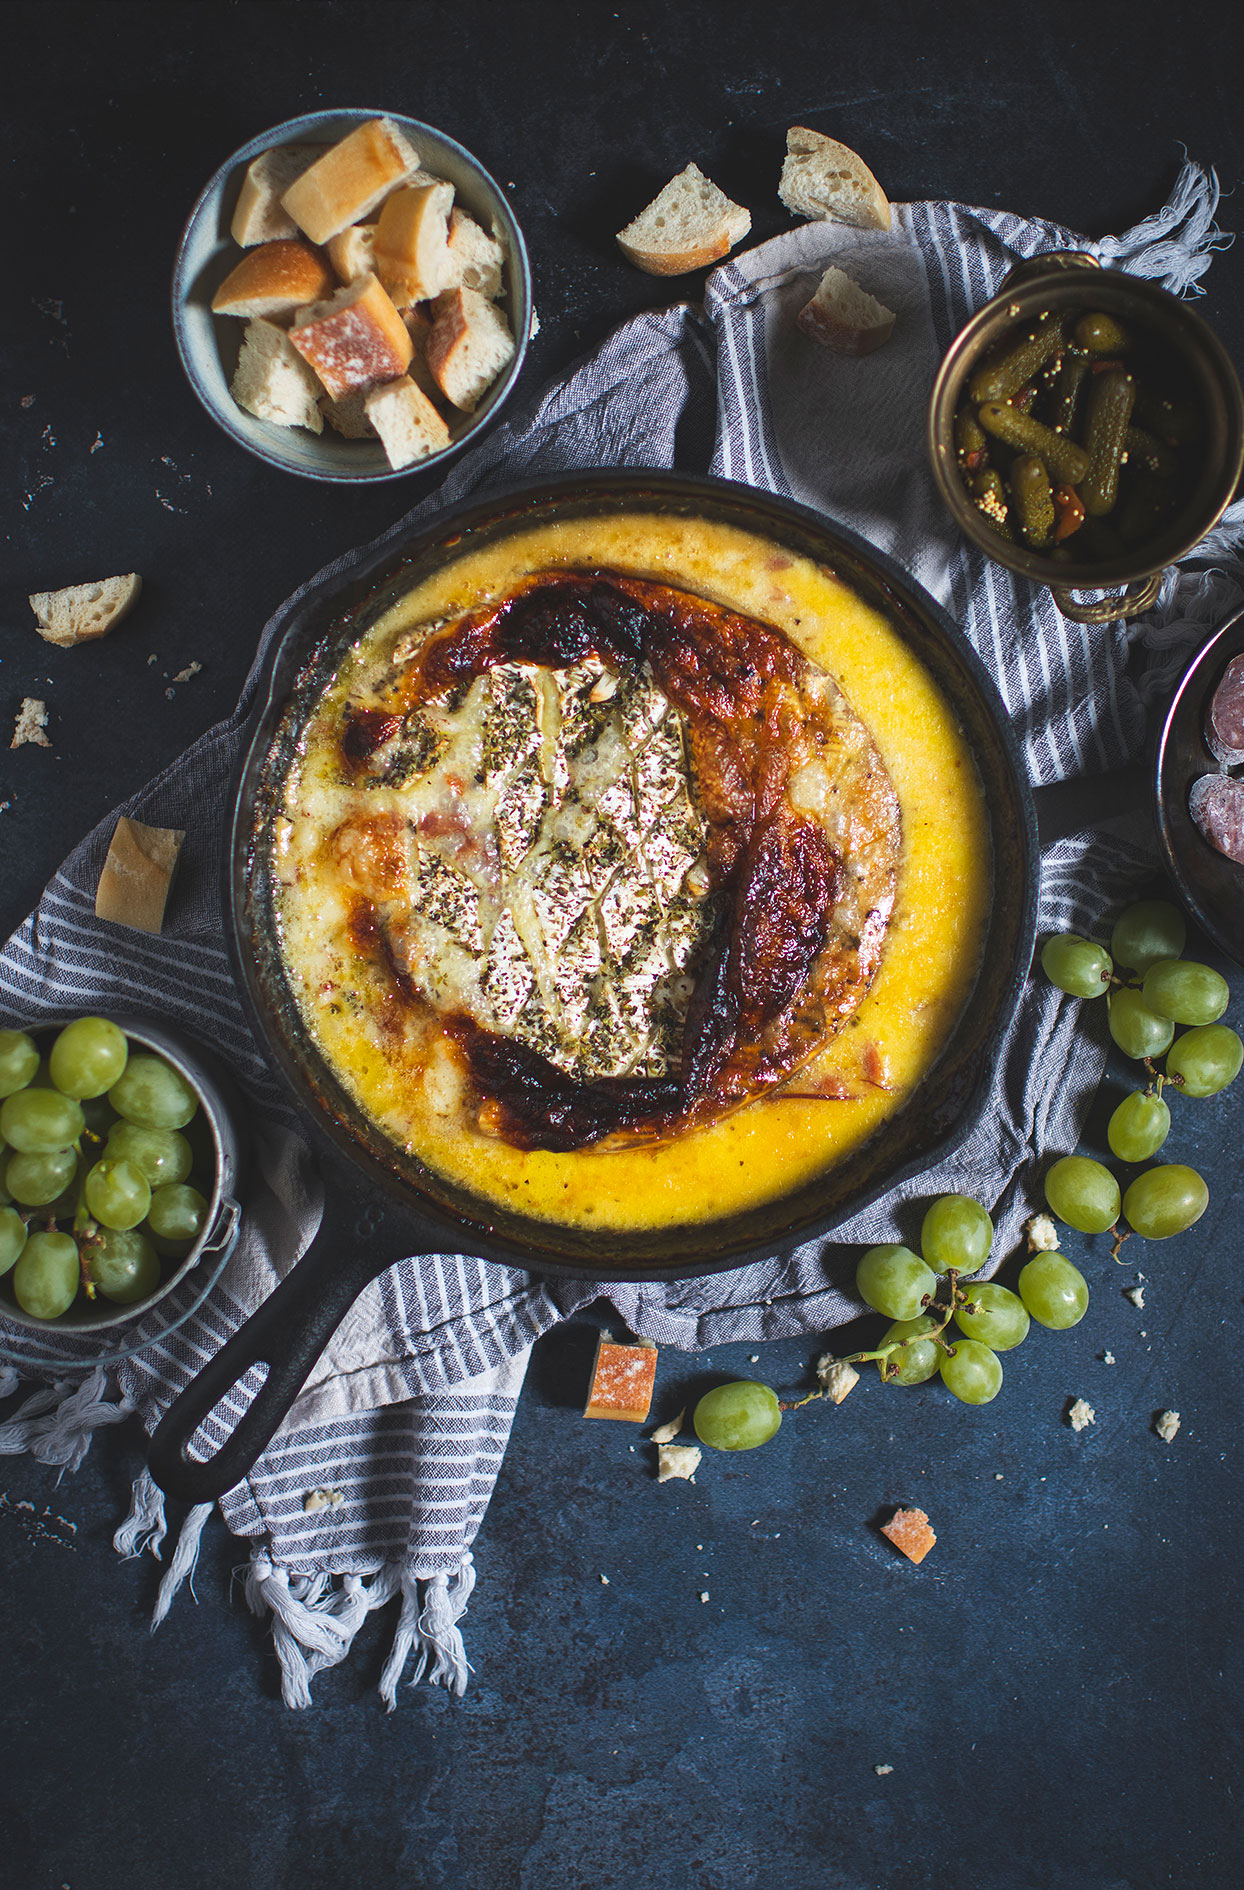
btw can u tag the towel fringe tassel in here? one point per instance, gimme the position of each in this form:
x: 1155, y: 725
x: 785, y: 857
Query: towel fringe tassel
x: 1176, y: 245
x: 146, y: 1526
x: 57, y: 1422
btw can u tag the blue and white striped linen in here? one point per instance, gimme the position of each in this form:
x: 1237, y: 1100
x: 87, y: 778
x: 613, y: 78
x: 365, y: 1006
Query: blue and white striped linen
x: 407, y: 1415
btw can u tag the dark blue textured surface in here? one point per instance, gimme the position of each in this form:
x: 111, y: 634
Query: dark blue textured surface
x: 1057, y: 1688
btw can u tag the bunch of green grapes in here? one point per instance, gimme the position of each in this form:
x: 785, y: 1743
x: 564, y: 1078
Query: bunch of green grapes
x: 95, y: 1176
x: 939, y: 1326
x: 1158, y: 991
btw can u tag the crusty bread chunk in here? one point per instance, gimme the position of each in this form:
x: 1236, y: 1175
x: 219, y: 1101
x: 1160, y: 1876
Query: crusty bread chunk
x: 622, y: 1381
x: 82, y: 612
x: 475, y: 257
x: 273, y: 280
x: 409, y: 426
x: 909, y: 1530
x: 259, y: 217
x: 351, y: 179
x: 468, y: 346
x: 354, y: 339
x: 412, y: 242
x: 690, y: 225
x: 138, y: 873
x: 352, y: 252
x: 273, y: 381
x: 30, y: 724
x: 824, y: 179
x: 845, y: 317
x: 348, y: 416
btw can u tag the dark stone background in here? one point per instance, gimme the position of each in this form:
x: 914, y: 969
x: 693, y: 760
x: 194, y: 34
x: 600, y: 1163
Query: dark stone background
x: 1058, y: 1687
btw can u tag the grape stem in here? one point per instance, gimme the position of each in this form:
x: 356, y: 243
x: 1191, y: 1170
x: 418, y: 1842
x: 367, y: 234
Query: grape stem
x: 957, y: 1300
x: 1120, y: 1235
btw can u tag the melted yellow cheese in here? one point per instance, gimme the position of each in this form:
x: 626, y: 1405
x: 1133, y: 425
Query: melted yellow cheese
x: 932, y: 949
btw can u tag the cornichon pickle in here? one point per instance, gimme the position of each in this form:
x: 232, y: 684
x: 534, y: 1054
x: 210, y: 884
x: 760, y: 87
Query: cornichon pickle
x: 1005, y: 374
x: 1063, y: 458
x: 1100, y: 334
x: 970, y: 439
x: 1146, y: 452
x: 1174, y: 421
x: 1070, y: 379
x: 1110, y: 400
x: 1034, y: 501
x: 989, y: 496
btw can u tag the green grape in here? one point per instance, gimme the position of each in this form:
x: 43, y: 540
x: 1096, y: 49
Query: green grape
x: 740, y: 1416
x: 1165, y: 1200
x: 1138, y: 1031
x: 1205, y: 1060
x: 36, y: 1121
x: 45, y: 1279
x: 895, y: 1281
x: 19, y: 1059
x: 34, y: 1180
x: 99, y: 1116
x: 1184, y: 992
x: 88, y: 1057
x: 12, y: 1237
x: 1000, y: 1319
x: 972, y: 1372
x: 1138, y: 1127
x: 162, y: 1154
x: 152, y: 1094
x: 919, y: 1358
x: 177, y: 1216
x: 117, y: 1194
x: 1055, y: 1292
x: 956, y: 1232
x: 1146, y: 932
x: 124, y: 1265
x: 1076, y: 965
x: 5, y: 1196
x: 65, y: 1206
x: 1083, y: 1193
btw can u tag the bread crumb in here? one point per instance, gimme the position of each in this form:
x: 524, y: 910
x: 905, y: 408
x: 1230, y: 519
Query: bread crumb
x: 1137, y: 1296
x: 32, y: 720
x: 604, y: 1581
x: 677, y: 1460
x: 1042, y: 1234
x: 1081, y: 1414
x: 183, y: 675
x: 1107, y: 1358
x: 836, y: 1377
x: 1166, y: 1424
x: 997, y: 1476
x: 753, y: 1358
x: 704, y: 1595
x: 883, y: 1771
x: 909, y: 1530
x: 666, y: 1433
x: 322, y: 1499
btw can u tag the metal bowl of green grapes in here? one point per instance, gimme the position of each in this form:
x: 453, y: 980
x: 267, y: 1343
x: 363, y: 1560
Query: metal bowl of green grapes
x: 119, y: 1160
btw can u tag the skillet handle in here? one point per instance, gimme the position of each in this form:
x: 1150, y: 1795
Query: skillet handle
x: 287, y: 1332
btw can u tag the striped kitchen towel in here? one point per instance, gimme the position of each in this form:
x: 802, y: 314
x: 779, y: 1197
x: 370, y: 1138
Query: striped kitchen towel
x: 406, y: 1417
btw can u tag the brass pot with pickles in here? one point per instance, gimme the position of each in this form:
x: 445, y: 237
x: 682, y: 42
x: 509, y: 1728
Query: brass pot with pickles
x: 1086, y: 430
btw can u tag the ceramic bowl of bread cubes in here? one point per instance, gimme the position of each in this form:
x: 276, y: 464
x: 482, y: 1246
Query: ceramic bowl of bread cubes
x: 352, y: 297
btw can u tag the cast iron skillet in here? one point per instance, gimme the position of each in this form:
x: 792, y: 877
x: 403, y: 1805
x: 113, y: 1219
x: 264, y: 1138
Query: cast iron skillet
x: 393, y: 1206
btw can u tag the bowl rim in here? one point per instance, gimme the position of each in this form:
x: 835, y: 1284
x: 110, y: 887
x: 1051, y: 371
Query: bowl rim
x: 1175, y: 828
x: 518, y: 289
x: 1064, y: 275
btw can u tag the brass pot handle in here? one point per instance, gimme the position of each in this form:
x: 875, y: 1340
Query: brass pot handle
x: 1126, y: 604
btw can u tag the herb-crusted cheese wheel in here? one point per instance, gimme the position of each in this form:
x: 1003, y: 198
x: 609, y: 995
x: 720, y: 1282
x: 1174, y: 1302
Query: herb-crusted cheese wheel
x: 351, y: 179
x: 354, y: 339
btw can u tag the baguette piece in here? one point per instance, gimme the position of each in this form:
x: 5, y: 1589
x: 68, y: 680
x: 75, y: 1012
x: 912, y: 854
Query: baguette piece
x: 475, y: 257
x: 823, y: 179
x: 138, y: 874
x: 468, y: 346
x: 351, y: 179
x: 273, y: 381
x: 82, y: 612
x: 419, y: 327
x: 273, y: 280
x: 409, y: 426
x: 354, y: 339
x: 259, y: 217
x: 845, y: 317
x: 30, y: 724
x: 348, y: 416
x: 411, y: 243
x: 351, y: 252
x: 690, y: 224
x: 622, y: 1380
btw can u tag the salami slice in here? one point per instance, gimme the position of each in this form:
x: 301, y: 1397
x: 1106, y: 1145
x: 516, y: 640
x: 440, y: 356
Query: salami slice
x: 1216, y: 803
x: 1224, y: 724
